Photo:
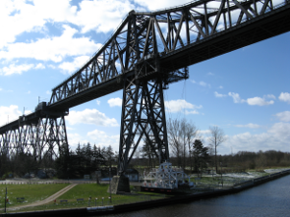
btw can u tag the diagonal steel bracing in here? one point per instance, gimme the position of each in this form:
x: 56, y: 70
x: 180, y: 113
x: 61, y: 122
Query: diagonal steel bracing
x: 50, y: 138
x: 143, y: 117
x: 42, y: 139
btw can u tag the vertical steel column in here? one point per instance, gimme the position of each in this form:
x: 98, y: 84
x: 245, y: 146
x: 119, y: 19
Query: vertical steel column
x: 4, y: 144
x: 4, y: 149
x: 143, y: 116
x: 154, y: 103
x: 129, y: 104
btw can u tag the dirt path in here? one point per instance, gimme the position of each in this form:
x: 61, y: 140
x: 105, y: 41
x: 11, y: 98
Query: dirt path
x: 47, y: 200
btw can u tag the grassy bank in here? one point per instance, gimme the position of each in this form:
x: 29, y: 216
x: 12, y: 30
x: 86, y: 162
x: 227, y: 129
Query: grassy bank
x: 30, y: 193
x: 79, y: 197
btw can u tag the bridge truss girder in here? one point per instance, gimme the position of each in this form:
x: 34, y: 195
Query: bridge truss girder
x: 42, y: 139
x: 143, y: 36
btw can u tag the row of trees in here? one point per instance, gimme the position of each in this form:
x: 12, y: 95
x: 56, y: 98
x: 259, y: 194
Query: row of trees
x: 186, y: 148
x: 197, y: 159
x: 244, y: 160
x: 183, y: 138
x: 84, y: 160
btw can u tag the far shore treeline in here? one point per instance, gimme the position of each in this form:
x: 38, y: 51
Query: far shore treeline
x: 87, y: 159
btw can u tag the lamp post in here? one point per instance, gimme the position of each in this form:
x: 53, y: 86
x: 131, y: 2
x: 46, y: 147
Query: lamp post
x: 221, y: 165
x: 110, y: 183
x: 5, y: 200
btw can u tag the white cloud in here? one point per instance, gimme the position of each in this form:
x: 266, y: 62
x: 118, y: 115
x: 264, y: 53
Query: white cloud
x: 236, y: 97
x: 204, y: 84
x: 9, y: 114
x: 39, y: 66
x: 270, y: 96
x: 107, y: 13
x: 252, y: 101
x: 284, y: 116
x: 101, y: 138
x: 98, y: 102
x: 22, y: 21
x: 221, y: 87
x: 48, y: 92
x: 52, y: 66
x: 70, y: 67
x: 97, y: 15
x: 204, y: 132
x: 210, y: 73
x: 280, y: 131
x: 15, y: 69
x: 259, y: 101
x: 250, y: 125
x: 74, y: 139
x: 19, y: 69
x: 115, y: 102
x: 201, y: 83
x: 194, y: 112
x: 91, y: 116
x: 96, y: 137
x: 285, y: 97
x: 276, y: 138
x: 159, y: 5
x: 180, y: 104
x: 51, y: 48
x: 219, y: 95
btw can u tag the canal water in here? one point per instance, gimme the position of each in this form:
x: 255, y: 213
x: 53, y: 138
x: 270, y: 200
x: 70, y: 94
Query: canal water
x: 269, y: 199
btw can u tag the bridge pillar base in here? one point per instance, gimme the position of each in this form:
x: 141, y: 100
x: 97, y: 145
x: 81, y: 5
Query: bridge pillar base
x: 120, y: 184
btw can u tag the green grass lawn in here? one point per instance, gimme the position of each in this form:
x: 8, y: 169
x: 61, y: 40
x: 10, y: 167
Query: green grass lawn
x: 100, y: 191
x: 85, y: 191
x: 30, y: 192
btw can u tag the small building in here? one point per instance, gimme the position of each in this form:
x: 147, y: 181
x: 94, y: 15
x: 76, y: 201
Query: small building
x: 132, y: 174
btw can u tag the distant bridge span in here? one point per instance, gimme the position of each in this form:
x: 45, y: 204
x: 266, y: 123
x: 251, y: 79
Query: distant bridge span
x: 147, y: 52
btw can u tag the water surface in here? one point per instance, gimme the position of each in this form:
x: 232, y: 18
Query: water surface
x: 269, y: 199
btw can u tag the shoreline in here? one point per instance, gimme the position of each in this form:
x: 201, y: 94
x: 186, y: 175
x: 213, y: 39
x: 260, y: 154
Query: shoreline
x: 101, y: 210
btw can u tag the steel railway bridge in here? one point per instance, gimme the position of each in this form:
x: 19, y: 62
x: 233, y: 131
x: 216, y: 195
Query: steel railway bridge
x: 146, y: 53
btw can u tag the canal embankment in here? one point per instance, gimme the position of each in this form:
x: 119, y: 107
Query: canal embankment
x: 208, y: 193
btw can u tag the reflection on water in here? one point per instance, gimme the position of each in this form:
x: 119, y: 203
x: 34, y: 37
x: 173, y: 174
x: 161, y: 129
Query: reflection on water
x: 269, y: 199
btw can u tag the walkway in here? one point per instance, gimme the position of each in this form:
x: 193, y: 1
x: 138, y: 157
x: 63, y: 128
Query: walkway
x: 47, y: 200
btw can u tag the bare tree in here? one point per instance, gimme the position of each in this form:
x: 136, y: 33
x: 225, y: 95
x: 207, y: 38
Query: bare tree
x: 148, y: 152
x: 181, y: 134
x: 217, y: 137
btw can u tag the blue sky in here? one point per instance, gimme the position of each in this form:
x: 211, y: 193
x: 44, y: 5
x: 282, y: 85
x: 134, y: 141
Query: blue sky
x: 42, y: 42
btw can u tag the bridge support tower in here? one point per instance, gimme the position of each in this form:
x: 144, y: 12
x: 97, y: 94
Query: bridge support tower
x: 41, y: 136
x: 143, y: 120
